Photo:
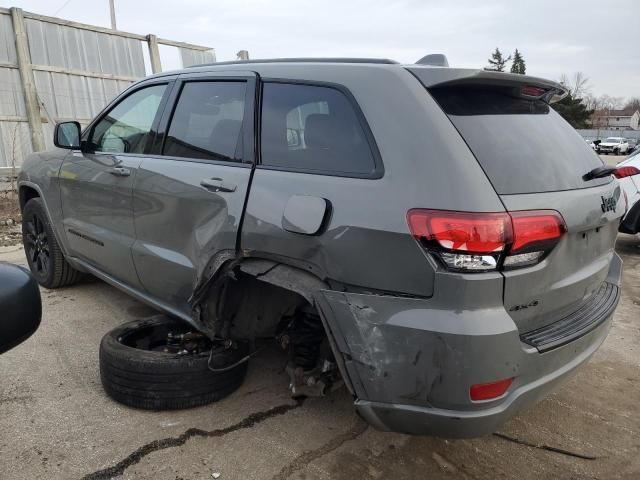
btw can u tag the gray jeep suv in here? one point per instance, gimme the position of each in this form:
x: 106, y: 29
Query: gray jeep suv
x: 444, y: 230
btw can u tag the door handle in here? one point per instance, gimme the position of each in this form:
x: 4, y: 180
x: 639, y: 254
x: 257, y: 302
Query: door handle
x: 119, y: 172
x: 217, y: 185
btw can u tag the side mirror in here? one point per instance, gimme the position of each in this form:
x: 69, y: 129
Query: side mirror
x: 67, y: 135
x: 20, y: 306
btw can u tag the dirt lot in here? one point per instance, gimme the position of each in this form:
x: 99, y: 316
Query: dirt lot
x: 9, y: 210
x: 57, y: 423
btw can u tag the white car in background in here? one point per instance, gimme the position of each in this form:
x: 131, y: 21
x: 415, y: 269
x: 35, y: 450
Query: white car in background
x: 615, y: 145
x: 630, y: 182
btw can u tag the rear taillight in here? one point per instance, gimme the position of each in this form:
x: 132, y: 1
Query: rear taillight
x: 622, y: 172
x: 469, y: 241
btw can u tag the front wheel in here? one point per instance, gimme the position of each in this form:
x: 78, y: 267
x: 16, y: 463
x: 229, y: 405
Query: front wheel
x: 44, y: 256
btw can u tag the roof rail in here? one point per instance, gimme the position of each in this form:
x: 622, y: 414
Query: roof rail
x: 301, y: 60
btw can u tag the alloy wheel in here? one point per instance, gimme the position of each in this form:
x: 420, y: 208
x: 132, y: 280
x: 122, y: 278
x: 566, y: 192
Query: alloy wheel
x: 37, y: 245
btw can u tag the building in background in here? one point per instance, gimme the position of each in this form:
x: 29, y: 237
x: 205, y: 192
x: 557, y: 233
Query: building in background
x: 626, y: 119
x: 53, y: 70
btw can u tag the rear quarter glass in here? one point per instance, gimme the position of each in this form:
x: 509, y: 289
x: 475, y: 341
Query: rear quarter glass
x: 523, y: 145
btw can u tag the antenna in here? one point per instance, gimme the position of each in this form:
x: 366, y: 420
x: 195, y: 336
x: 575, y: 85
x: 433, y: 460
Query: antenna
x: 434, y: 60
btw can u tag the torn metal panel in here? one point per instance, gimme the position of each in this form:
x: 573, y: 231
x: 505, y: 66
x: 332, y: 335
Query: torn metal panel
x: 400, y: 350
x: 289, y: 278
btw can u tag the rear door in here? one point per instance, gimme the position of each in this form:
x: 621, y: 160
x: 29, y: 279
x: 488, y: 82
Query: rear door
x: 537, y: 161
x: 96, y: 184
x: 189, y: 196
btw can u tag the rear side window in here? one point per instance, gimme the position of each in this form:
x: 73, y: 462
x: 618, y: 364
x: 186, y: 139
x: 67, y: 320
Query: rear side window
x: 314, y: 129
x: 207, y: 122
x: 523, y: 145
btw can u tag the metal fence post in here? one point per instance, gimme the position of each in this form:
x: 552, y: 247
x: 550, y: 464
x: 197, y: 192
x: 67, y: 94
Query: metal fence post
x: 154, y: 53
x: 28, y: 80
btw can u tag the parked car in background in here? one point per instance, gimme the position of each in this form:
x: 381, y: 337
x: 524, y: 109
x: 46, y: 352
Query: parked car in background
x: 614, y: 145
x: 633, y: 144
x: 430, y: 247
x: 631, y: 187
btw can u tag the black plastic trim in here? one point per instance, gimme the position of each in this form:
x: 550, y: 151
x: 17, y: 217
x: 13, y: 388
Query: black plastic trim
x: 586, y: 318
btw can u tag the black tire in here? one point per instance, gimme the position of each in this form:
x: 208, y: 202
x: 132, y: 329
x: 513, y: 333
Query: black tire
x: 136, y: 372
x: 45, y: 258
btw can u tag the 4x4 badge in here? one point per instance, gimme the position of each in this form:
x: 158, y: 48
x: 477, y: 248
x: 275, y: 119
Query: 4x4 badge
x: 608, y: 204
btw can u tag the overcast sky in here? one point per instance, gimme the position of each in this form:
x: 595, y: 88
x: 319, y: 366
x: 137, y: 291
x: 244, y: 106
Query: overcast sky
x: 599, y: 38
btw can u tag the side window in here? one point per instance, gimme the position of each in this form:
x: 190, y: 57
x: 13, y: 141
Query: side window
x: 313, y: 128
x: 125, y: 129
x: 207, y: 121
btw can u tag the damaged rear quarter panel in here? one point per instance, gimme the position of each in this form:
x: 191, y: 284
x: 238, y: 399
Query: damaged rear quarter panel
x: 408, y: 351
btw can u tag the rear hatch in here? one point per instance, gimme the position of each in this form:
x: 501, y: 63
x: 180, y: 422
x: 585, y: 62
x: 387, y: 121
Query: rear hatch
x: 536, y: 162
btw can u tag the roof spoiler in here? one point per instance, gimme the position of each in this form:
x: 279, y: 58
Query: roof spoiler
x: 434, y: 60
x: 530, y: 87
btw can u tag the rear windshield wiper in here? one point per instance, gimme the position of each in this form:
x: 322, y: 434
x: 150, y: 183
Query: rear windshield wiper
x: 598, y: 172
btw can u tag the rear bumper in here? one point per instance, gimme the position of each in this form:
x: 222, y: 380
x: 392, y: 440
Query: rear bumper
x: 474, y: 423
x: 410, y: 366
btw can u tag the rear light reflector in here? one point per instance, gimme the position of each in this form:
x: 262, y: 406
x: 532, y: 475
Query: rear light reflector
x: 622, y: 172
x: 472, y: 242
x: 489, y: 391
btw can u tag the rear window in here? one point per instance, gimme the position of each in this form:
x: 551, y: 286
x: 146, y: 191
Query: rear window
x: 523, y: 145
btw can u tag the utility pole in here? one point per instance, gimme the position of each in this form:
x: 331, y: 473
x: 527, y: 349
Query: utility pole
x: 112, y: 9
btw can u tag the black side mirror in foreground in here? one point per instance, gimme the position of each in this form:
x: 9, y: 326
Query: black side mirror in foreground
x: 20, y: 307
x: 67, y: 135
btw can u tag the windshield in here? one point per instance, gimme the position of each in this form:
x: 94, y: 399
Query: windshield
x: 613, y: 140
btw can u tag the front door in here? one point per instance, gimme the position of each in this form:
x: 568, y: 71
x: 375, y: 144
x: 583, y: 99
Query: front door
x: 189, y: 197
x: 97, y: 183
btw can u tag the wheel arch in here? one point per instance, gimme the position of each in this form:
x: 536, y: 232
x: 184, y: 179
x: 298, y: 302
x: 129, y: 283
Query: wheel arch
x: 26, y: 192
x: 29, y: 190
x: 277, y: 272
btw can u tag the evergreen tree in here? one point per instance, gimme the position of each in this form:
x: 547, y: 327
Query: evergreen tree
x: 574, y: 111
x: 497, y: 62
x: 518, y: 65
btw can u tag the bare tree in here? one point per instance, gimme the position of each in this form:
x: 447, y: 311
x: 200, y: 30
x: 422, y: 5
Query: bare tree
x: 577, y: 85
x: 607, y: 102
x: 632, y: 104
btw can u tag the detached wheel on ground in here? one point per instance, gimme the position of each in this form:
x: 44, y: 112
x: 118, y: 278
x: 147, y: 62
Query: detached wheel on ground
x: 163, y: 364
x: 45, y: 258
